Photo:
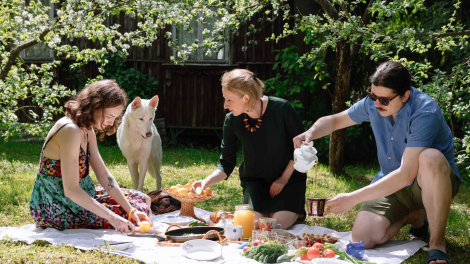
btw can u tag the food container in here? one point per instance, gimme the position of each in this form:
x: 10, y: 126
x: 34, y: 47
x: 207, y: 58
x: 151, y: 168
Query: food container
x: 244, y: 217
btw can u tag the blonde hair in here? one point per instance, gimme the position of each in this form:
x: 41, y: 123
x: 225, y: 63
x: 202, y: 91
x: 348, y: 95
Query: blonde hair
x: 241, y: 82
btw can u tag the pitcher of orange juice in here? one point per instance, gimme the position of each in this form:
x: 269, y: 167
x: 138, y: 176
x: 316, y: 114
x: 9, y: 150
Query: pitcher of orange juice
x: 244, y: 217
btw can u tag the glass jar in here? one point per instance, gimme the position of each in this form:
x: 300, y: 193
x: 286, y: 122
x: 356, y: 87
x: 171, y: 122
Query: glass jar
x: 244, y: 217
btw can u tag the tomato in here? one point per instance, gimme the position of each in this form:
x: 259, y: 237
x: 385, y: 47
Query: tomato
x: 319, y: 246
x: 328, y: 253
x: 313, y: 252
x: 256, y: 242
x: 245, y: 249
x: 304, y: 257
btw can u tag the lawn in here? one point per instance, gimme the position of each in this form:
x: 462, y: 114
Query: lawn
x: 19, y: 165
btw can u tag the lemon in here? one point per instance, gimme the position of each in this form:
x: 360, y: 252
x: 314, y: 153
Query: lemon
x: 145, y: 223
x: 174, y: 189
x: 179, y: 185
x: 198, y: 190
x: 144, y: 228
x: 208, y: 191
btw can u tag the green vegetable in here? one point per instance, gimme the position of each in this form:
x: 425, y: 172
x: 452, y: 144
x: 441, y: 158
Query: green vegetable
x: 285, y: 258
x: 265, y: 253
x: 197, y: 223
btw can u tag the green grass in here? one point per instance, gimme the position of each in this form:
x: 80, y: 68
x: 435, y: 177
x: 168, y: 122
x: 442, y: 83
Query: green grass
x: 19, y: 165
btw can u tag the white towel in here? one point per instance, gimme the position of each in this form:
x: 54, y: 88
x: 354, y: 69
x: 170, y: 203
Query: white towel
x: 144, y: 249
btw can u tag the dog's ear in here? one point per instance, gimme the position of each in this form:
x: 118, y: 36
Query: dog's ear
x: 136, y: 103
x: 154, y: 101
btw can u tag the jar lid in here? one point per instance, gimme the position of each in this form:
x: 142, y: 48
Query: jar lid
x: 245, y: 207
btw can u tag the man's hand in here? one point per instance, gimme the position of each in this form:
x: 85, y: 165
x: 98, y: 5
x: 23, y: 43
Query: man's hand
x: 277, y: 186
x: 339, y: 204
x: 306, y: 136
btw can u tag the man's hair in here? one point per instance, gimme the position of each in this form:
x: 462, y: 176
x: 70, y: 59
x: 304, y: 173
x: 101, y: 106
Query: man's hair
x: 95, y: 97
x: 392, y: 75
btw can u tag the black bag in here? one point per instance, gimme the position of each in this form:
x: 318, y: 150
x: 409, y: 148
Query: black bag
x: 162, y: 203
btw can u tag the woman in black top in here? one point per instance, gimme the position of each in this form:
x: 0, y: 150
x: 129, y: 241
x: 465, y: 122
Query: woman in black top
x: 265, y: 127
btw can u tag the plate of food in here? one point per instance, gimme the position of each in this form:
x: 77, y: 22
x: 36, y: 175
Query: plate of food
x: 176, y: 220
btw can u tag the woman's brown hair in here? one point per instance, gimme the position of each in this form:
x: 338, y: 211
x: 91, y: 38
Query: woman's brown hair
x: 95, y: 97
x: 241, y: 82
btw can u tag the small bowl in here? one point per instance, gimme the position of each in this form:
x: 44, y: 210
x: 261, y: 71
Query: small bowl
x: 201, y: 249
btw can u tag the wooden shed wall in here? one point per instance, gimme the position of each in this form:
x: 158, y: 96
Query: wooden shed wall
x: 190, y: 95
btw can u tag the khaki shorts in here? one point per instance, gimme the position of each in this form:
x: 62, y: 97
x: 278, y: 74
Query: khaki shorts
x: 398, y: 205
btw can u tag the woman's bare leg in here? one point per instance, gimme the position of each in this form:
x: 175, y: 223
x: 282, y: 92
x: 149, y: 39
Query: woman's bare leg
x: 285, y: 218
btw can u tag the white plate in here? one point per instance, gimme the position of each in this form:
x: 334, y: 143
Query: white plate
x: 176, y: 220
x: 327, y: 261
x: 201, y: 249
x: 120, y: 245
x: 334, y: 260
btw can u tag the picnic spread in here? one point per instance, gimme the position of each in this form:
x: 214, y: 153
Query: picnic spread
x: 154, y: 246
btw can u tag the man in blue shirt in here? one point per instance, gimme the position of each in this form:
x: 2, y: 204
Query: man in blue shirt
x: 416, y: 156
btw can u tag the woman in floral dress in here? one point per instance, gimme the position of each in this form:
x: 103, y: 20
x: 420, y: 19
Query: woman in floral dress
x: 64, y: 196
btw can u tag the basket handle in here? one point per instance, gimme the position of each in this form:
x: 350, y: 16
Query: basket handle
x: 212, y: 232
x: 171, y: 227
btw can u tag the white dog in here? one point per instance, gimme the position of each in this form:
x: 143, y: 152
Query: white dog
x: 140, y: 142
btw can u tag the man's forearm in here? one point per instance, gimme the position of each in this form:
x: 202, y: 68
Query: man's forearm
x: 322, y: 127
x: 393, y: 182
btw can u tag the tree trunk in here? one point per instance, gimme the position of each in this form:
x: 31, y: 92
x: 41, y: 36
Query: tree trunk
x: 341, y: 95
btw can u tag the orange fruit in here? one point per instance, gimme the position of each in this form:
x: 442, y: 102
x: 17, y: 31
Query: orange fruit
x: 183, y: 191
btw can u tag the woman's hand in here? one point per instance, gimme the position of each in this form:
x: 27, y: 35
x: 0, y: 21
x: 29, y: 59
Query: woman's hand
x: 139, y: 216
x: 121, y: 225
x: 306, y: 137
x: 277, y: 186
x: 339, y: 204
x: 203, y: 184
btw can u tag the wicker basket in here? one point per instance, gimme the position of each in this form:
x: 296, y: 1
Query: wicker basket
x: 187, y: 202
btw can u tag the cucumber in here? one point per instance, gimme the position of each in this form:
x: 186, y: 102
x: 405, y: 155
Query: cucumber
x: 285, y: 258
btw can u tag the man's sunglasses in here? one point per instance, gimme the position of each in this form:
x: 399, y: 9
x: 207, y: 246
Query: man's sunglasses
x: 373, y: 97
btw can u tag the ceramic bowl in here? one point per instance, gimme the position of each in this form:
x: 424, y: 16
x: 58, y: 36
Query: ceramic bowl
x: 201, y: 249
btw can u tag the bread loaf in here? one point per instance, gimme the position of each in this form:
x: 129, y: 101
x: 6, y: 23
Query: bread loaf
x: 215, y: 217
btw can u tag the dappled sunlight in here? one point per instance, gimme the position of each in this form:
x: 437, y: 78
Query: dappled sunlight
x: 18, y: 173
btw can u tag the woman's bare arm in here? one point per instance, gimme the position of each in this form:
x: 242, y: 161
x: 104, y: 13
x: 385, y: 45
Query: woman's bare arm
x: 69, y: 141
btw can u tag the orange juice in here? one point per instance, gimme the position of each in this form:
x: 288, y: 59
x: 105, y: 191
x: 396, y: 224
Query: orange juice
x: 244, y: 217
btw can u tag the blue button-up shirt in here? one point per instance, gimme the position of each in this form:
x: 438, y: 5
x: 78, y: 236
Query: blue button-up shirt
x: 420, y: 123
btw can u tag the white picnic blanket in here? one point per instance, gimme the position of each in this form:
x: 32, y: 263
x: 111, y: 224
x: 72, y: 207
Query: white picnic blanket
x: 144, y: 249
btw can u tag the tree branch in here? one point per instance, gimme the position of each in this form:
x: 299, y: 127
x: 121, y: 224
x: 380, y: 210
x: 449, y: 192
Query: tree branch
x: 442, y: 35
x: 357, y: 46
x: 328, y: 7
x: 16, y: 52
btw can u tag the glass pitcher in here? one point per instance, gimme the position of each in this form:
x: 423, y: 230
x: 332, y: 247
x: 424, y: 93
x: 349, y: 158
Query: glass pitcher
x: 244, y: 217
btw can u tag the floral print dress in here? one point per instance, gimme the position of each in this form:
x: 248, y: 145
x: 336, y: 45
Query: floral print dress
x: 49, y: 206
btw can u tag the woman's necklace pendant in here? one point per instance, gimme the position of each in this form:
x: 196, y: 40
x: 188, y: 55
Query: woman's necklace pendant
x: 258, y: 123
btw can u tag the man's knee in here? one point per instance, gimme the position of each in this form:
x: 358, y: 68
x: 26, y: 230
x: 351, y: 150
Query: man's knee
x: 432, y: 159
x: 370, y: 228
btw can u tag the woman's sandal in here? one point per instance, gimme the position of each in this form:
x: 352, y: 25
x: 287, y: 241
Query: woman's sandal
x: 421, y: 233
x: 436, y: 254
